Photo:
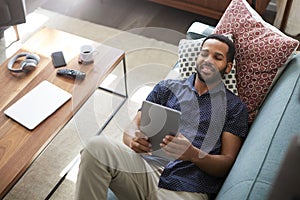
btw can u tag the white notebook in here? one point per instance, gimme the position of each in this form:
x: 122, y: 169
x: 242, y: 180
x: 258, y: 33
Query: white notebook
x: 38, y: 104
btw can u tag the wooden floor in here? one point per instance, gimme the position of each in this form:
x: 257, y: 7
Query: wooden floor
x: 122, y: 14
x: 127, y: 14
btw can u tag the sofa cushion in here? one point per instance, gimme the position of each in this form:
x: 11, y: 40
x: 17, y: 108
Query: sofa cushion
x: 261, y: 51
x: 259, y: 160
x: 188, y: 51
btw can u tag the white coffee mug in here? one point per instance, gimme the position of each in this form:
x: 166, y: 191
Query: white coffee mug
x: 86, y: 55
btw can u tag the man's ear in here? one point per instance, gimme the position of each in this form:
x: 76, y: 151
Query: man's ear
x: 228, y: 67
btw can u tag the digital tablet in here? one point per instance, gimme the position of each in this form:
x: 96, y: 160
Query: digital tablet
x: 157, y: 121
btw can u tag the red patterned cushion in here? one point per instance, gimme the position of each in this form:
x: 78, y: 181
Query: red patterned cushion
x: 261, y: 51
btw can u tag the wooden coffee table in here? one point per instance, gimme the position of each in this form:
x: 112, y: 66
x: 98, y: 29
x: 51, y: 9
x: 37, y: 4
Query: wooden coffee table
x: 20, y: 146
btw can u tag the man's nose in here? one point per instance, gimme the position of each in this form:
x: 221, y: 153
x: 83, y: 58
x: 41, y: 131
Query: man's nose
x: 208, y: 58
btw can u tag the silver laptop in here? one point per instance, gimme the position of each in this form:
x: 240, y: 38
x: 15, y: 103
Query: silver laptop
x: 38, y: 104
x: 157, y: 121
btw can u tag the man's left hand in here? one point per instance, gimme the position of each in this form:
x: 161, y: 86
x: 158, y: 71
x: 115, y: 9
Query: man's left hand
x: 179, y: 147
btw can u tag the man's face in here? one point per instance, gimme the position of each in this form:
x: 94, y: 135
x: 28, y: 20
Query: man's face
x: 212, y: 61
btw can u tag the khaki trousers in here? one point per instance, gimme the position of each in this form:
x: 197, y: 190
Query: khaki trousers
x: 110, y: 164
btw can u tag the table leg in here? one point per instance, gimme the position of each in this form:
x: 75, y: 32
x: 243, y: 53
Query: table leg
x: 17, y: 32
x: 124, y: 96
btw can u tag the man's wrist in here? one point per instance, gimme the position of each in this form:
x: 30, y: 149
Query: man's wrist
x: 198, y: 155
x: 201, y: 154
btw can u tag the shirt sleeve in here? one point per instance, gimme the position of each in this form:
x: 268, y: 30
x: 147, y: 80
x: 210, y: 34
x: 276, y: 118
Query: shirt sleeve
x: 154, y: 95
x: 237, y: 120
x: 160, y: 93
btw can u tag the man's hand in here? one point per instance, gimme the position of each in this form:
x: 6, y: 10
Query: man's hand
x: 179, y: 147
x: 135, y: 139
x: 217, y: 165
x: 140, y: 144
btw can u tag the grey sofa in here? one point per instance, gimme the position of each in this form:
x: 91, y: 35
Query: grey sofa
x: 262, y: 154
x: 12, y: 13
x: 264, y: 149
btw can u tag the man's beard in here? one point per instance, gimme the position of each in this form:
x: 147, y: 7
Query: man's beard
x: 215, y: 78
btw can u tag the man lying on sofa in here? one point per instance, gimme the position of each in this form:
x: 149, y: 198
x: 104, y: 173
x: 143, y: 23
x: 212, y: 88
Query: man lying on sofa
x: 214, y: 123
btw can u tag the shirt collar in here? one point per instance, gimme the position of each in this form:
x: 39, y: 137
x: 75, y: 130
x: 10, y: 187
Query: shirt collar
x: 191, y: 80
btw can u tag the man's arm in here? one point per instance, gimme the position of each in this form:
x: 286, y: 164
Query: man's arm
x: 135, y: 139
x: 215, y: 165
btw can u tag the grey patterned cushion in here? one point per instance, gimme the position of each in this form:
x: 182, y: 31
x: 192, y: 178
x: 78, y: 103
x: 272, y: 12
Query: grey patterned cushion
x: 188, y: 52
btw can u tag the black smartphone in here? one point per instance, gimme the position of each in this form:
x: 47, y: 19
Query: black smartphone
x: 58, y: 59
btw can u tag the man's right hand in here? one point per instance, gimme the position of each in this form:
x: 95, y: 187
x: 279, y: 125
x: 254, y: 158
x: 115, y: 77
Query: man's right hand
x: 135, y: 139
x: 140, y: 143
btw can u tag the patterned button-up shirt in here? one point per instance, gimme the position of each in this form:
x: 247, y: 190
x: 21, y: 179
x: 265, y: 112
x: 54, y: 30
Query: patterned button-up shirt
x: 204, y: 118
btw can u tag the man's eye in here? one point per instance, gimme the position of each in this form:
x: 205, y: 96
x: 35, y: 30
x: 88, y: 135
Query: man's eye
x: 219, y: 57
x: 204, y: 54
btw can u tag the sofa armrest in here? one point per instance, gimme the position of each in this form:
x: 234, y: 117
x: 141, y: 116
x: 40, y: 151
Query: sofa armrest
x: 174, y: 72
x: 199, y: 30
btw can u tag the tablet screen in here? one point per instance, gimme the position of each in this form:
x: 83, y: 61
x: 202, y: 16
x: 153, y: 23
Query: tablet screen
x: 157, y: 121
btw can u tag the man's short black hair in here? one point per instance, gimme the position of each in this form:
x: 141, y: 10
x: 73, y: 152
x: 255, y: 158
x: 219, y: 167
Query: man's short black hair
x: 225, y: 39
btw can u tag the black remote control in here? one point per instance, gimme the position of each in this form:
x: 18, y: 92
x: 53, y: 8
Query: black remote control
x: 71, y: 73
